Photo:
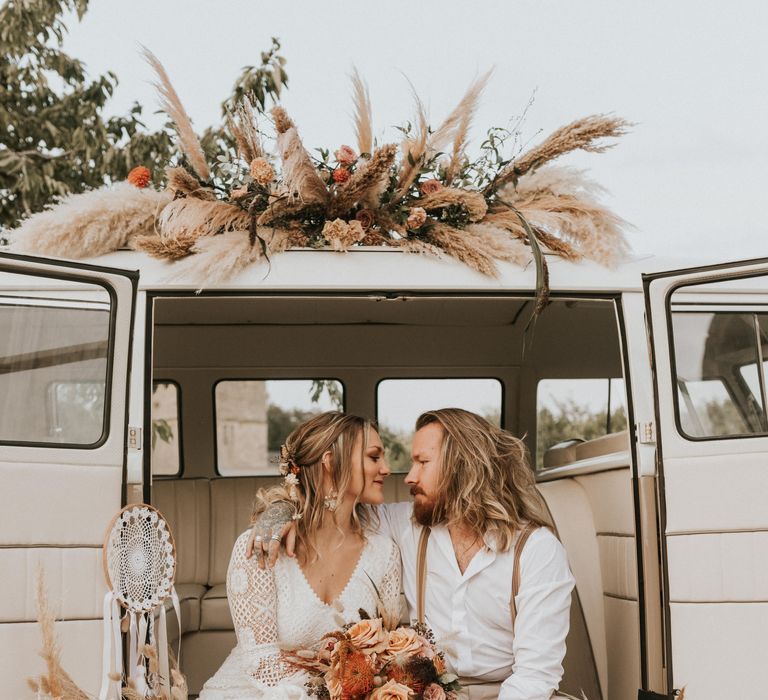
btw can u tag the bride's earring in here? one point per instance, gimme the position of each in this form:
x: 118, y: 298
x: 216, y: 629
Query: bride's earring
x: 331, y: 501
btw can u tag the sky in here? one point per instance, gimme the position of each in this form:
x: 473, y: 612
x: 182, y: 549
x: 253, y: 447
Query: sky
x: 692, y: 76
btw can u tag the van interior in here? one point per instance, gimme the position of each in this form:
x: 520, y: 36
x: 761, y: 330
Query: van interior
x: 228, y: 368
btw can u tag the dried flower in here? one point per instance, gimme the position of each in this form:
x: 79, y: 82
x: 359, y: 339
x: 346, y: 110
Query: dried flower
x: 366, y: 218
x: 292, y: 480
x: 369, y: 636
x: 391, y: 690
x: 261, y: 171
x: 430, y: 186
x: 341, y: 175
x: 139, y: 177
x: 238, y: 192
x: 345, y: 155
x: 341, y: 234
x: 416, y: 218
x: 439, y: 663
x: 434, y: 691
x: 357, y: 676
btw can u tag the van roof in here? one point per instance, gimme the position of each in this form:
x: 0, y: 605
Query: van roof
x: 389, y: 269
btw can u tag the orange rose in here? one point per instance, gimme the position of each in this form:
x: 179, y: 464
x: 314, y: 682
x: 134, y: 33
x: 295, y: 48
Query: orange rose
x: 439, y: 664
x: 391, y: 690
x: 369, y: 636
x: 403, y: 641
x: 139, y: 177
x: 341, y: 175
x: 430, y: 186
x: 345, y: 155
x: 434, y: 692
x: 416, y: 218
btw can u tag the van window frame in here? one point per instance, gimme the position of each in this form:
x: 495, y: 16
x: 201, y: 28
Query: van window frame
x: 180, y: 473
x: 750, y: 308
x: 260, y: 379
x: 109, y: 369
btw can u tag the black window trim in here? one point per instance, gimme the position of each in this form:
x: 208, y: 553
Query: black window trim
x: 260, y: 379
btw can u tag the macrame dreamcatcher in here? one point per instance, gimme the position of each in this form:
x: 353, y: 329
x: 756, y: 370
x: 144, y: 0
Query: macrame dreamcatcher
x: 139, y: 559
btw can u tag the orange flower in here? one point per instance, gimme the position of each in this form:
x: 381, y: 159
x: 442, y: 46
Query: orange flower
x: 416, y: 218
x: 341, y: 175
x: 430, y: 186
x: 439, y: 664
x: 139, y: 177
x: 345, y: 155
x: 356, y: 678
x: 403, y: 641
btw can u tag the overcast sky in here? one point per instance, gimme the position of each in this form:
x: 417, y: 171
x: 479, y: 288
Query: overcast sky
x: 692, y: 75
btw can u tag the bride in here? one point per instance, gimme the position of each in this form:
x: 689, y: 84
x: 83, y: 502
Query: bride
x: 333, y: 465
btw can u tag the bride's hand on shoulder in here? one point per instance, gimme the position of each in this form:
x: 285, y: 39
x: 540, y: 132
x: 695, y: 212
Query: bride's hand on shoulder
x: 275, y: 525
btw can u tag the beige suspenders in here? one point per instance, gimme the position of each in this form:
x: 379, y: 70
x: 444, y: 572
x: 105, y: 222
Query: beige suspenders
x: 421, y: 571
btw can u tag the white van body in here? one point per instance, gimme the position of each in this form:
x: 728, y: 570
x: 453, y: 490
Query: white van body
x: 665, y: 524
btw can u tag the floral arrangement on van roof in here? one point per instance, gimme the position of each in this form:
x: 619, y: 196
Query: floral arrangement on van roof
x: 425, y: 194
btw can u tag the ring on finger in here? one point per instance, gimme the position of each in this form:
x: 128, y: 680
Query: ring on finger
x: 275, y: 537
x: 258, y: 538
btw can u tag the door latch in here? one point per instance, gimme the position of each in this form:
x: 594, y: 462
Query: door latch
x: 134, y: 438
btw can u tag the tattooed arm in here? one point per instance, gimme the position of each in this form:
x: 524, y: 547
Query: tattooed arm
x: 273, y: 526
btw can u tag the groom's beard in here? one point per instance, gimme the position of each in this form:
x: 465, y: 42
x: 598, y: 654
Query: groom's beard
x: 423, y: 510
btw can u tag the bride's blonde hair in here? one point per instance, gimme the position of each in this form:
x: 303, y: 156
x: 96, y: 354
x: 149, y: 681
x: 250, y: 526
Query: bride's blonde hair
x: 332, y: 432
x: 485, y: 479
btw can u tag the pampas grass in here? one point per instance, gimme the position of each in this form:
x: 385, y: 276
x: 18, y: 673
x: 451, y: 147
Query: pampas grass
x: 56, y: 684
x: 498, y: 244
x: 368, y: 177
x: 197, y: 217
x: 585, y: 134
x: 181, y: 181
x: 473, y: 202
x: 299, y: 175
x: 171, y: 105
x: 92, y: 223
x: 166, y: 248
x: 563, y: 201
x: 458, y: 245
x: 414, y: 149
x: 243, y: 127
x: 363, y: 114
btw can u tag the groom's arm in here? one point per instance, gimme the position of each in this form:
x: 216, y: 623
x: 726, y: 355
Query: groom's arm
x: 543, y: 617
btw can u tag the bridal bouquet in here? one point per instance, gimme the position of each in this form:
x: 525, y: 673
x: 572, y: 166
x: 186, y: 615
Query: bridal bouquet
x: 365, y: 660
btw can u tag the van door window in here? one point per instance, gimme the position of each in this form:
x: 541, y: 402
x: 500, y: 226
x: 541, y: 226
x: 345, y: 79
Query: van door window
x: 53, y: 366
x: 577, y: 409
x: 166, y: 445
x: 720, y: 392
x: 399, y: 402
x: 253, y: 418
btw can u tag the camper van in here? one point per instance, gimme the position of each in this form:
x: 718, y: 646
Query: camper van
x: 119, y: 387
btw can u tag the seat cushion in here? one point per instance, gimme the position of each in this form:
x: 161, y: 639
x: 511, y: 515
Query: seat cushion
x: 214, y: 609
x: 190, y: 595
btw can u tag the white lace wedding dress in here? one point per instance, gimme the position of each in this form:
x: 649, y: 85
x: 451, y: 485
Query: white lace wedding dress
x: 278, y: 609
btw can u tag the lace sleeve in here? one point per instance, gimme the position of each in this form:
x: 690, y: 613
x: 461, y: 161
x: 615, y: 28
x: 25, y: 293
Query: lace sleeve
x: 253, y: 601
x: 390, y: 587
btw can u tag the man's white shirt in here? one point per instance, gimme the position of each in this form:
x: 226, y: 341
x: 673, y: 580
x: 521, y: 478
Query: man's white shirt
x: 469, y: 613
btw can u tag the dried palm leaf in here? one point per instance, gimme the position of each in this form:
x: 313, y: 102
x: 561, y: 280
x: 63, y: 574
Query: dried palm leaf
x: 414, y: 150
x: 92, y: 223
x: 585, y: 134
x: 363, y: 114
x: 456, y: 125
x: 171, y: 105
x: 369, y: 176
x: 57, y: 684
x: 299, y: 175
x: 455, y: 243
x: 473, y: 202
x: 197, y: 217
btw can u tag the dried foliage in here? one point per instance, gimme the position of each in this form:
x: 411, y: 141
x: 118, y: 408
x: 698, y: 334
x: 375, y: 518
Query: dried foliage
x: 199, y: 217
x: 369, y: 177
x: 171, y: 105
x: 456, y: 125
x: 363, y: 114
x: 473, y: 203
x: 92, y: 223
x: 245, y: 131
x: 457, y: 244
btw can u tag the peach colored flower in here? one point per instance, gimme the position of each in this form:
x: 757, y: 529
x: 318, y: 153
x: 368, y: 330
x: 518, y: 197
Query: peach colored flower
x: 416, y: 218
x: 366, y: 218
x: 391, y: 690
x: 139, y: 177
x: 346, y: 155
x: 403, y: 641
x: 439, y: 664
x: 430, y: 186
x: 238, y: 192
x: 434, y: 692
x: 341, y: 175
x: 261, y: 171
x: 368, y: 635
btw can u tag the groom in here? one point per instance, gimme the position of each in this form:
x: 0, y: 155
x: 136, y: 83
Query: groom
x: 474, y: 493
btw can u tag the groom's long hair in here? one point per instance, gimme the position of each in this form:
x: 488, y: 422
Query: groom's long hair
x: 485, y: 480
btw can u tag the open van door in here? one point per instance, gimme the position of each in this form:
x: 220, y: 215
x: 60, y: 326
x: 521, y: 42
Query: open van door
x: 709, y: 344
x: 65, y: 342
